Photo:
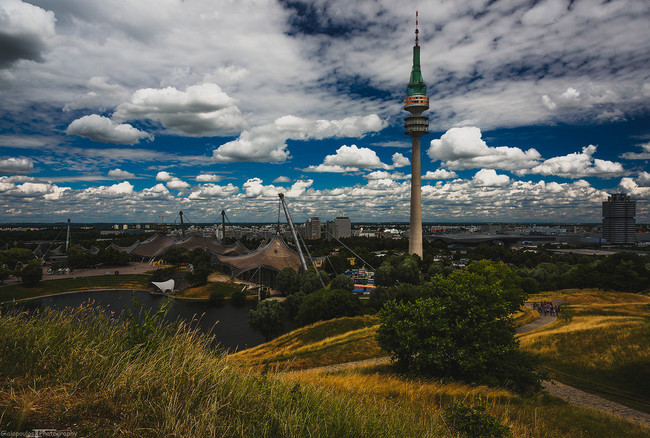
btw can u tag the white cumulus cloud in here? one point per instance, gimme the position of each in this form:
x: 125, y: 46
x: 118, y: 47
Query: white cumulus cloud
x: 16, y: 166
x: 206, y: 191
x: 208, y: 177
x: 440, y: 174
x: 578, y: 165
x: 463, y: 148
x: 104, y: 130
x: 490, y: 178
x: 267, y: 143
x: 164, y: 176
x: 282, y: 179
x: 177, y: 184
x: 200, y: 110
x: 120, y: 174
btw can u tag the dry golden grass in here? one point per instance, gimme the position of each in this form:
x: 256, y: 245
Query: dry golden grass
x: 601, y: 345
x: 538, y: 416
x: 339, y: 340
x: 525, y: 316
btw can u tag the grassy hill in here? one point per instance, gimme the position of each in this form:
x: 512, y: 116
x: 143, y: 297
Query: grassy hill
x: 79, y: 369
x: 601, y: 344
x: 323, y: 343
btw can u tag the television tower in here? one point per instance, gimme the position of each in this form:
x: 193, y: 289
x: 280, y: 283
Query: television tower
x: 416, y: 102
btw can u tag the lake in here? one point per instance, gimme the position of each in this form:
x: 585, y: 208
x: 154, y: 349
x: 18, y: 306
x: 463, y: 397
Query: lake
x: 229, y: 324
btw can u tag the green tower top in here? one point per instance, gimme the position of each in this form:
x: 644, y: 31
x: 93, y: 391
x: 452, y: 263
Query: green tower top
x: 416, y: 84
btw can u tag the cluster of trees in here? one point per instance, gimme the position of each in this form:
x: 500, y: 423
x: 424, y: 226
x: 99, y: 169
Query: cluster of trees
x: 307, y: 301
x: 79, y: 257
x: 198, y: 258
x: 22, y: 263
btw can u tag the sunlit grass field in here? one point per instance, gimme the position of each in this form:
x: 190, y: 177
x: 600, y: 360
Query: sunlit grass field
x: 601, y: 345
x: 323, y: 343
x: 424, y: 401
x: 48, y: 287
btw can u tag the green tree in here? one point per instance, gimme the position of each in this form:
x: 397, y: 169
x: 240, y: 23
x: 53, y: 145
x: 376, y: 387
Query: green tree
x: 342, y: 282
x: 267, y: 318
x: 4, y: 274
x: 199, y: 276
x: 31, y: 274
x: 238, y: 298
x: 461, y: 328
x: 385, y: 275
x: 327, y: 304
x: 79, y: 257
x: 288, y: 281
x: 15, y: 256
x: 309, y: 281
x: 176, y: 255
x: 292, y: 304
x: 113, y: 257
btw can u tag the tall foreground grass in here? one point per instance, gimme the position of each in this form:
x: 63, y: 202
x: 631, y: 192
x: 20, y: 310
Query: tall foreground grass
x: 80, y: 369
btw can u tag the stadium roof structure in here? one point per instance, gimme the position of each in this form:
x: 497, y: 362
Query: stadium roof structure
x: 276, y: 255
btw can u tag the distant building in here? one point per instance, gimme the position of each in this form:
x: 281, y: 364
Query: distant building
x: 339, y: 227
x: 343, y: 226
x: 312, y: 228
x: 619, y: 223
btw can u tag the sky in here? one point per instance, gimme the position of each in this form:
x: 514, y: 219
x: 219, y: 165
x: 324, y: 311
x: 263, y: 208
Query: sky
x: 123, y: 111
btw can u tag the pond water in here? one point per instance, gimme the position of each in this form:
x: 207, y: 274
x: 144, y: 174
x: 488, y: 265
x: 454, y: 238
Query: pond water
x: 229, y: 324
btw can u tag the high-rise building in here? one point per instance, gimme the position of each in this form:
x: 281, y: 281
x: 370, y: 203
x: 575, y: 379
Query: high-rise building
x: 342, y: 226
x: 312, y: 228
x: 339, y: 227
x: 619, y: 219
x: 416, y: 102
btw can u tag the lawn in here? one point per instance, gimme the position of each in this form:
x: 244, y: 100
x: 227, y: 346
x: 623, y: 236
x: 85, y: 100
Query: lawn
x: 49, y: 287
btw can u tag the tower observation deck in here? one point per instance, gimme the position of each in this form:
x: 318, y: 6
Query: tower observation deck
x: 417, y: 125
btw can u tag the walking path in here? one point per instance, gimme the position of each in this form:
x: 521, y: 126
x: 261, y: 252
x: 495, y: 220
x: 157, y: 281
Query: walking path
x: 567, y: 393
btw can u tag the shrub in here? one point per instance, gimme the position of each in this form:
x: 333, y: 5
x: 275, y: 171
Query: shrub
x: 288, y: 281
x: 327, y: 304
x: 267, y: 318
x: 342, y: 282
x: 309, y: 282
x: 31, y: 274
x: 238, y: 298
x: 475, y: 422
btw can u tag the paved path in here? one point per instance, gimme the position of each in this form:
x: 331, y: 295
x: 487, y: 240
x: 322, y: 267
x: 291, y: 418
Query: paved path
x: 585, y: 399
x: 565, y: 392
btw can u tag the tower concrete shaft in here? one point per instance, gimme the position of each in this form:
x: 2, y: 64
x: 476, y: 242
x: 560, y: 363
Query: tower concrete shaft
x: 417, y: 125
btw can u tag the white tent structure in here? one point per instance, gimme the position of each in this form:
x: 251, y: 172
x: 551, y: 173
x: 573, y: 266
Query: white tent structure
x: 164, y: 286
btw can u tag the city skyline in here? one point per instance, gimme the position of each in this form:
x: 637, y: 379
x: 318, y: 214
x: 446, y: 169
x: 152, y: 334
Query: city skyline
x: 538, y: 110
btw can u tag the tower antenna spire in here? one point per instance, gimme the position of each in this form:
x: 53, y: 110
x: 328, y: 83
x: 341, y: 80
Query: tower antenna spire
x: 416, y: 30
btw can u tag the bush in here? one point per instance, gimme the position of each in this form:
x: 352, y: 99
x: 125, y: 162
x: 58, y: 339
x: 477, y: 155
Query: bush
x: 342, y: 282
x: 309, y: 282
x: 288, y: 281
x: 199, y: 276
x: 163, y: 274
x: 461, y: 328
x: 267, y: 318
x: 475, y: 422
x: 238, y: 298
x: 327, y: 304
x: 292, y: 304
x: 31, y: 274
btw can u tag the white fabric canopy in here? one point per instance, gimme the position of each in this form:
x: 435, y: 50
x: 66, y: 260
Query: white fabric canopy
x: 164, y: 286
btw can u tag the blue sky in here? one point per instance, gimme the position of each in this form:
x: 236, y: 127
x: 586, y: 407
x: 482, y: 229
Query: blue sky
x: 124, y: 111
